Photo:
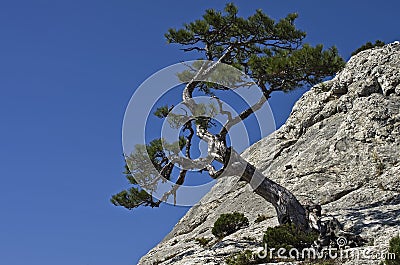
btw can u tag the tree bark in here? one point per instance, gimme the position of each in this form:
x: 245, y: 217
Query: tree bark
x: 288, y: 208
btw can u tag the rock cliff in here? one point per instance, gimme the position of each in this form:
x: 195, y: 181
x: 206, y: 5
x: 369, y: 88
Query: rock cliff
x: 339, y: 148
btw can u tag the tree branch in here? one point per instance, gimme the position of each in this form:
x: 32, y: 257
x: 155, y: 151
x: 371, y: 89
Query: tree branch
x: 244, y: 114
x: 189, y: 139
x: 193, y: 49
x: 178, y: 183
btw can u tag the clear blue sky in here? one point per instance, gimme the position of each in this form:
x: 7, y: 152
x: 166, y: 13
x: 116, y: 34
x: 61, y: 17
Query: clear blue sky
x: 67, y: 71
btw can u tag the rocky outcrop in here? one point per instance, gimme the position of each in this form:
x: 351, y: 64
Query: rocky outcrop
x: 339, y: 148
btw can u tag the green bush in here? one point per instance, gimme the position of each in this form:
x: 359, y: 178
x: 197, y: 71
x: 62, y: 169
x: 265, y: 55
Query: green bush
x: 282, y: 236
x: 287, y: 237
x: 394, y: 247
x: 260, y: 218
x: 229, y: 223
x: 368, y: 45
x: 245, y: 257
x: 242, y: 258
x: 203, y: 241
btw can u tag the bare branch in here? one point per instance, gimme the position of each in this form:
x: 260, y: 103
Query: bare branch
x: 178, y: 183
x: 193, y: 49
x: 222, y: 111
x: 243, y: 115
x: 187, y: 94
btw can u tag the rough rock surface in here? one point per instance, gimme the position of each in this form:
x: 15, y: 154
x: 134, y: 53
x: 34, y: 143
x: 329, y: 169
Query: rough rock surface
x: 339, y: 148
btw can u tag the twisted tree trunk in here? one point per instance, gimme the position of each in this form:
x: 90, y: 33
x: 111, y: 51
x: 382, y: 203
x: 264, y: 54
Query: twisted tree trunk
x: 288, y: 208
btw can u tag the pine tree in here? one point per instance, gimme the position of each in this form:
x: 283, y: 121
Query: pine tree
x: 271, y: 53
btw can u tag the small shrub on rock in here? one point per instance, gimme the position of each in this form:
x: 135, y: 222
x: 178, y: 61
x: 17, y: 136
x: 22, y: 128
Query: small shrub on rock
x: 394, y: 247
x: 368, y: 45
x: 242, y: 258
x: 260, y: 218
x: 287, y: 237
x: 229, y: 223
x: 246, y: 257
x: 203, y: 241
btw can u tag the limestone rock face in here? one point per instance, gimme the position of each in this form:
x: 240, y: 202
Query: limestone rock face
x: 339, y: 148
